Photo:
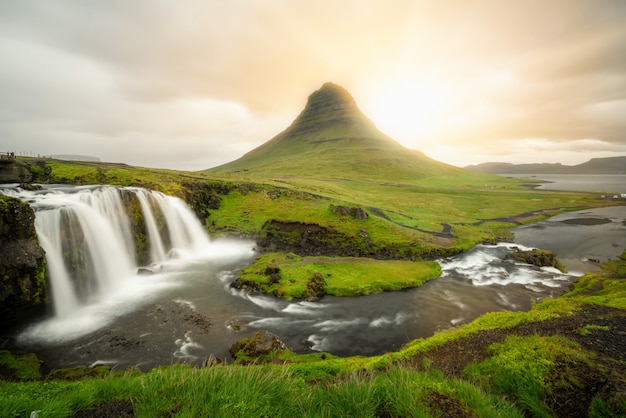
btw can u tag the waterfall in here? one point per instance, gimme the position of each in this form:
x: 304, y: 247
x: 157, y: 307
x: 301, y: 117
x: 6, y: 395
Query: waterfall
x: 89, y: 237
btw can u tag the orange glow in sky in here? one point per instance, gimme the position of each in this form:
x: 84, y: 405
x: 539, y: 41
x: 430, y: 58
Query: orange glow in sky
x: 192, y: 85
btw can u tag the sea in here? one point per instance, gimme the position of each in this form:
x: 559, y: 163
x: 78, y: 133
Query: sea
x: 608, y: 184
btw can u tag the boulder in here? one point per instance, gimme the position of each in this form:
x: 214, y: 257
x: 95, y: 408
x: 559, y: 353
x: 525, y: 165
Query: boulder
x: 536, y: 257
x: 261, y: 343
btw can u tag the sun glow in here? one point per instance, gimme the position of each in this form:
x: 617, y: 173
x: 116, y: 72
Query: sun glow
x: 411, y: 111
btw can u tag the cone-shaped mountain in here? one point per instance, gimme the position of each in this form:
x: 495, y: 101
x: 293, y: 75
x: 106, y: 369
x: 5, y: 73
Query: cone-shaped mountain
x: 332, y: 138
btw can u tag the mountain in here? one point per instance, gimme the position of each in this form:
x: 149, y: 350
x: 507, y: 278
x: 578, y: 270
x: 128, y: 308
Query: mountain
x: 611, y: 165
x: 332, y: 138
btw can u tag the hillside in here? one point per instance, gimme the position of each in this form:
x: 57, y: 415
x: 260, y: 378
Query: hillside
x: 332, y: 138
x: 612, y: 165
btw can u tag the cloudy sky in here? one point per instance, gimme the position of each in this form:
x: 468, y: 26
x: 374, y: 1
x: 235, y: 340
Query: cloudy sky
x: 191, y: 84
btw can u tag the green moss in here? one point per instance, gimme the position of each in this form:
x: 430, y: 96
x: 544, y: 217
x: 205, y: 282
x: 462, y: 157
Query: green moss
x: 80, y: 372
x: 589, y: 328
x: 19, y: 367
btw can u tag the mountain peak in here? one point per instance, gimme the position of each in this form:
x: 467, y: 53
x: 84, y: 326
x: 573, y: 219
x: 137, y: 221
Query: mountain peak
x: 330, y: 98
x: 330, y: 104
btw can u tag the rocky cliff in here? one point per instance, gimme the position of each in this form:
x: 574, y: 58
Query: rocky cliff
x: 13, y: 172
x: 22, y: 263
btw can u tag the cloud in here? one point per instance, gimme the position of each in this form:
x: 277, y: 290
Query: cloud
x: 194, y: 84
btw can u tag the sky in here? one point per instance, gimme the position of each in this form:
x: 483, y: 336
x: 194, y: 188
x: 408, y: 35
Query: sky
x: 192, y: 84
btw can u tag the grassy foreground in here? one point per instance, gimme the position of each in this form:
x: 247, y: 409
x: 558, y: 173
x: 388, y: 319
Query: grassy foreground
x: 542, y: 373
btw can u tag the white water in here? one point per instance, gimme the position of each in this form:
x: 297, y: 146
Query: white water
x: 92, y: 223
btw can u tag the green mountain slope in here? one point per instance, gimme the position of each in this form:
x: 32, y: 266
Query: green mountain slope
x: 332, y: 138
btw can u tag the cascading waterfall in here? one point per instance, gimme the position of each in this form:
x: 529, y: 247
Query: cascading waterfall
x: 87, y: 235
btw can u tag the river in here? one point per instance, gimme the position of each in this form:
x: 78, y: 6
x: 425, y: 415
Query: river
x: 187, y: 311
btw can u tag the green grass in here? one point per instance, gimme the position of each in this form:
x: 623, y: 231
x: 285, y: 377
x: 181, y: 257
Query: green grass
x: 343, y: 276
x: 253, y: 391
x: 520, y: 368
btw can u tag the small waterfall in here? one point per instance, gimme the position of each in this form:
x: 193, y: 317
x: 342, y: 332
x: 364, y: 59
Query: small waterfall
x: 88, y: 237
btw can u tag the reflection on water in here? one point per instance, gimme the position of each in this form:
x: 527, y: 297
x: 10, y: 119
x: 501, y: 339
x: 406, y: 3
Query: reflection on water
x: 580, y: 239
x: 601, y: 183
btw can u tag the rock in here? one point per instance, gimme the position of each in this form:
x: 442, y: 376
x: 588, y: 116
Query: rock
x: 13, y: 172
x: 30, y: 187
x: 22, y: 262
x: 315, y: 287
x: 202, y: 196
x: 271, y: 269
x: 244, y: 284
x: 357, y: 213
x: 262, y: 342
x: 274, y: 278
x: 536, y: 257
x: 143, y: 271
x: 236, y: 325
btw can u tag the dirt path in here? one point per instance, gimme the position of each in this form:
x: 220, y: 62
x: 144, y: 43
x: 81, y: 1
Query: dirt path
x: 446, y: 231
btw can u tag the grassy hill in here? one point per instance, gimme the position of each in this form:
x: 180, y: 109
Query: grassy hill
x: 333, y: 139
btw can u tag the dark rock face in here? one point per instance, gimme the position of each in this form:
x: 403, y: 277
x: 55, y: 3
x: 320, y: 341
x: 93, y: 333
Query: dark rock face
x: 14, y: 172
x: 22, y: 263
x: 304, y: 238
x: 262, y: 342
x: 203, y: 197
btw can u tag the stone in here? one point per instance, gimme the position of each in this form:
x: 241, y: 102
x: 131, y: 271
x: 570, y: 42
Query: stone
x: 13, y: 172
x: 315, y: 287
x: 261, y: 343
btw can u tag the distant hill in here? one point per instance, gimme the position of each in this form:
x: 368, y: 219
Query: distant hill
x: 332, y: 138
x: 611, y: 165
x: 75, y: 157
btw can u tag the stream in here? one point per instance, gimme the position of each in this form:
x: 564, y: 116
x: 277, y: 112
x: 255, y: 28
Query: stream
x: 186, y: 311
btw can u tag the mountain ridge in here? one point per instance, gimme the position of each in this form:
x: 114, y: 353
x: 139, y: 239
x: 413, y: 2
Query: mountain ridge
x: 608, y: 165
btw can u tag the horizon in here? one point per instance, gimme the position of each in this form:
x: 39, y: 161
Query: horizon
x: 191, y: 87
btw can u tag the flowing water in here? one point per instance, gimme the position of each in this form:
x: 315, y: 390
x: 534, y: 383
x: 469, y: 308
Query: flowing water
x: 187, y: 311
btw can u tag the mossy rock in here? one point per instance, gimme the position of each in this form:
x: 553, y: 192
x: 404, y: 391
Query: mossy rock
x: 536, y: 257
x: 19, y: 367
x: 261, y: 344
x: 315, y: 287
